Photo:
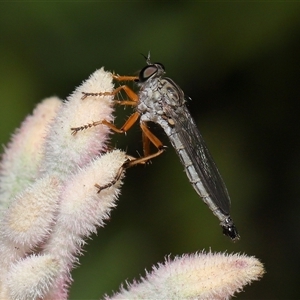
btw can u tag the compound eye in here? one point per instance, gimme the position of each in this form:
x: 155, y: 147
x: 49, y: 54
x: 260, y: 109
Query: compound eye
x: 147, y: 72
x: 160, y: 66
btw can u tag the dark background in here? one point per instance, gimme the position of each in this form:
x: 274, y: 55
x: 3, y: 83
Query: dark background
x: 239, y: 62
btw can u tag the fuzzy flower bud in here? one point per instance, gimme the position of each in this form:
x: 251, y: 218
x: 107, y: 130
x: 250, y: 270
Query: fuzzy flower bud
x: 198, y: 276
x: 22, y: 156
x: 31, y: 278
x: 65, y: 153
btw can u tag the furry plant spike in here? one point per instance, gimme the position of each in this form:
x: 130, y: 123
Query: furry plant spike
x: 200, y: 276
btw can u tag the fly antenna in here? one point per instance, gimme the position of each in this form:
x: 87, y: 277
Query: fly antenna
x: 147, y: 58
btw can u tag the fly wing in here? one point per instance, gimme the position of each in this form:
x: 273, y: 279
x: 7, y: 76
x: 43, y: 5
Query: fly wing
x: 200, y: 156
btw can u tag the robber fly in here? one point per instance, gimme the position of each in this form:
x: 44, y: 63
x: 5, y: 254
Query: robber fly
x: 162, y: 101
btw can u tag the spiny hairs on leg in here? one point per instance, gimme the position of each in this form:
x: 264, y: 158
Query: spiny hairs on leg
x: 83, y: 127
x: 85, y: 95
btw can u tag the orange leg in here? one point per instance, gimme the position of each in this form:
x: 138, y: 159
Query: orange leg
x: 114, y: 181
x: 148, y: 137
x: 142, y: 160
x: 129, y: 92
x: 118, y: 176
x: 129, y: 163
x: 125, y: 78
x: 146, y: 144
x: 128, y: 124
x: 153, y: 139
x: 133, y: 100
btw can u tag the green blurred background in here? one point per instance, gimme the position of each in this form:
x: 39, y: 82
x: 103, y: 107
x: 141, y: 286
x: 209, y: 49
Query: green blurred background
x: 239, y: 62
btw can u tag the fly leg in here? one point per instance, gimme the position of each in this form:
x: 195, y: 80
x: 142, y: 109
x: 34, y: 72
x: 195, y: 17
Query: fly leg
x: 127, y: 125
x: 148, y: 137
x: 119, y: 174
x: 113, y: 182
x: 129, y: 92
x: 133, y: 100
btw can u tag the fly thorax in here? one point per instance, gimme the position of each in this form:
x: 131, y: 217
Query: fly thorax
x: 172, y: 93
x: 150, y: 100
